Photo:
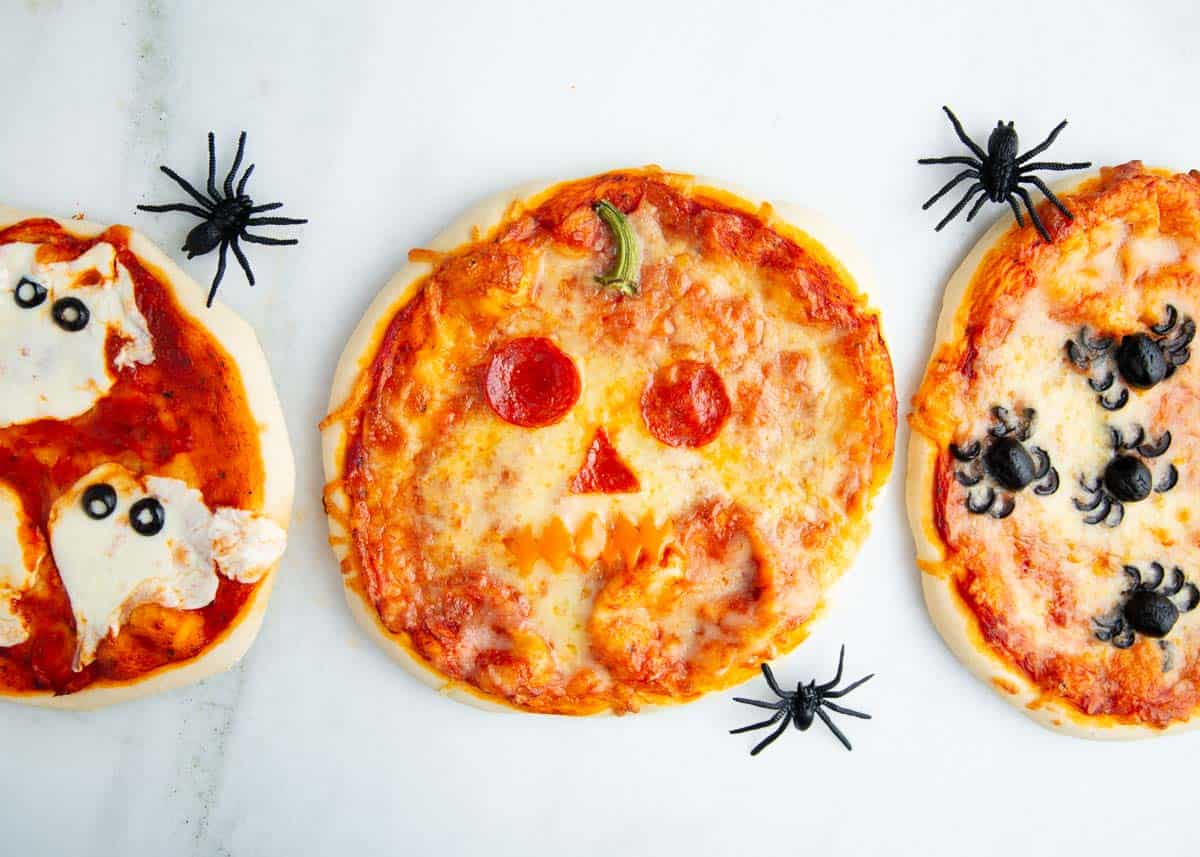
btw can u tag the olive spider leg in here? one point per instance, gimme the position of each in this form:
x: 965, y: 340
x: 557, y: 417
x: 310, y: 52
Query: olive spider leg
x: 971, y: 191
x: 177, y: 206
x: 828, y: 721
x: 1044, y: 145
x: 241, y: 257
x: 212, y: 167
x: 1054, y: 200
x: 773, y: 684
x: 949, y: 186
x: 849, y: 712
x: 237, y: 162
x: 206, y: 204
x: 766, y: 742
x: 770, y: 721
x: 845, y: 690
x: 962, y: 135
x: 274, y: 242
x: 245, y: 178
x: 1033, y: 215
x: 212, y: 293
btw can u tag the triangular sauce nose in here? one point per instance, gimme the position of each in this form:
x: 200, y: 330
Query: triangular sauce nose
x: 603, y: 471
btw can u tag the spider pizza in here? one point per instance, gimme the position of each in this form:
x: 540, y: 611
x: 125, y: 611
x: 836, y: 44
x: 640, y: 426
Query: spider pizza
x: 145, y: 473
x: 606, y: 444
x: 1052, y: 475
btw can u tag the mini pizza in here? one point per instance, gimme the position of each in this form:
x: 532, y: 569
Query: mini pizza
x: 1053, y: 479
x: 145, y: 472
x: 606, y: 444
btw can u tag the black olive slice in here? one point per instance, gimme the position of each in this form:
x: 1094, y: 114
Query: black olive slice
x: 147, y: 517
x: 71, y: 314
x: 99, y: 501
x: 29, y: 294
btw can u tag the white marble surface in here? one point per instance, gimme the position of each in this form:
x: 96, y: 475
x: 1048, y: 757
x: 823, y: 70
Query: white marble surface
x: 381, y: 121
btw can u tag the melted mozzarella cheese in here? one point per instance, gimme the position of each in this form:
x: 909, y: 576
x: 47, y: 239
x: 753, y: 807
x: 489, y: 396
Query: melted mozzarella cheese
x: 47, y: 372
x: 18, y: 561
x: 108, y: 568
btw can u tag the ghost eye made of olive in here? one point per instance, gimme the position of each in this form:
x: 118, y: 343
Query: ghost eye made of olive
x: 99, y: 501
x: 70, y: 314
x: 147, y: 517
x: 29, y: 294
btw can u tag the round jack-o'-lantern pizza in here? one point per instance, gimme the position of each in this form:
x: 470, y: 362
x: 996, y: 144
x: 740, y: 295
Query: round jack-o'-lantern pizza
x: 1054, y: 469
x: 606, y: 444
x: 145, y: 472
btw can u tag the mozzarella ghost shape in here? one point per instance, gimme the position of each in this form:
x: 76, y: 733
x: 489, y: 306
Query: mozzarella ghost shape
x: 55, y: 318
x: 120, y: 541
x: 21, y: 549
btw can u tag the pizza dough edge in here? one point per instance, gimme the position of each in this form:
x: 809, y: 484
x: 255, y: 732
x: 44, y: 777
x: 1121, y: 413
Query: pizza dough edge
x: 953, y: 621
x: 484, y: 216
x: 237, y: 337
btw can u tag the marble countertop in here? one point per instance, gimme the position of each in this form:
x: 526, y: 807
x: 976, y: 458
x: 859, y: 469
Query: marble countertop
x: 381, y: 121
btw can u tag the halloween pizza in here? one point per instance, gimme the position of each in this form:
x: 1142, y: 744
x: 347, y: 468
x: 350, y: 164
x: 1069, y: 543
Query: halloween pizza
x: 145, y: 472
x: 606, y: 444
x: 1053, y: 481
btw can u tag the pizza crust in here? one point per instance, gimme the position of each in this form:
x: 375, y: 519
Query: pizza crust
x: 477, y: 222
x: 953, y: 620
x: 237, y: 337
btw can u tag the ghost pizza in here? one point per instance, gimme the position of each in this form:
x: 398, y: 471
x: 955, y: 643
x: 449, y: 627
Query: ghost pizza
x: 1053, y: 469
x: 145, y: 473
x: 606, y: 443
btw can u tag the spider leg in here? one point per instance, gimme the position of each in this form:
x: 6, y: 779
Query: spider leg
x: 245, y: 178
x: 1154, y: 450
x: 1123, y: 638
x: 1168, y: 322
x: 833, y: 728
x: 1157, y: 573
x: 850, y: 712
x: 1120, y: 402
x: 962, y: 135
x: 949, y: 186
x: 1175, y: 583
x: 967, y: 478
x: 1191, y: 597
x: 1012, y: 203
x: 1049, y: 194
x: 1003, y: 507
x: 212, y: 293
x: 241, y: 257
x: 1187, y: 332
x: 976, y: 507
x: 971, y: 191
x: 1049, y: 486
x: 270, y: 206
x: 275, y: 221
x: 838, y: 675
x: 965, y: 453
x: 763, y: 724
x: 1033, y: 215
x: 1168, y: 481
x: 1098, y: 506
x: 1044, y: 145
x: 758, y: 703
x: 1041, y: 460
x: 769, y: 675
x: 975, y: 208
x: 953, y: 159
x: 1104, y: 383
x: 766, y: 742
x: 1054, y: 166
x: 237, y: 162
x: 274, y: 242
x: 1135, y: 577
x: 1118, y: 515
x: 838, y: 694
x: 178, y: 206
x: 206, y: 204
x: 212, y: 167
x: 1076, y: 355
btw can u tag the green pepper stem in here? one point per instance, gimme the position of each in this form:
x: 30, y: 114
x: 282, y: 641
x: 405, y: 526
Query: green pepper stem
x: 628, y: 264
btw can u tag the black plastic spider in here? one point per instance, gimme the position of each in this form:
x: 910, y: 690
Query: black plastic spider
x: 999, y: 173
x: 800, y: 706
x: 1003, y: 459
x: 225, y: 216
x: 1126, y: 479
x: 1150, y: 607
x: 1141, y: 360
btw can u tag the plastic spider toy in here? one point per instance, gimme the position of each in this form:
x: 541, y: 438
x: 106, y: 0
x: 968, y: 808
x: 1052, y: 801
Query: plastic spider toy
x: 1126, y: 479
x: 1141, y: 360
x: 801, y: 706
x: 226, y: 216
x: 1150, y: 606
x: 1004, y: 460
x: 999, y: 173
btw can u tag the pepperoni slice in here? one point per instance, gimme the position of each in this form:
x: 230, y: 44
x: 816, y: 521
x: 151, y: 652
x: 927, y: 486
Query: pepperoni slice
x: 685, y: 404
x: 603, y: 471
x: 530, y: 382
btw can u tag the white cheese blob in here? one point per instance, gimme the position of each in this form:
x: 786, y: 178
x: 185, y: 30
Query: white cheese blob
x: 46, y: 370
x: 109, y: 566
x: 21, y: 549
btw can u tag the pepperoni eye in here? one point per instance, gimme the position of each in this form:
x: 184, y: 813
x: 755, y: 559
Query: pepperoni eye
x: 147, y: 517
x: 685, y: 404
x: 529, y: 382
x: 29, y: 294
x: 99, y: 501
x: 71, y: 314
